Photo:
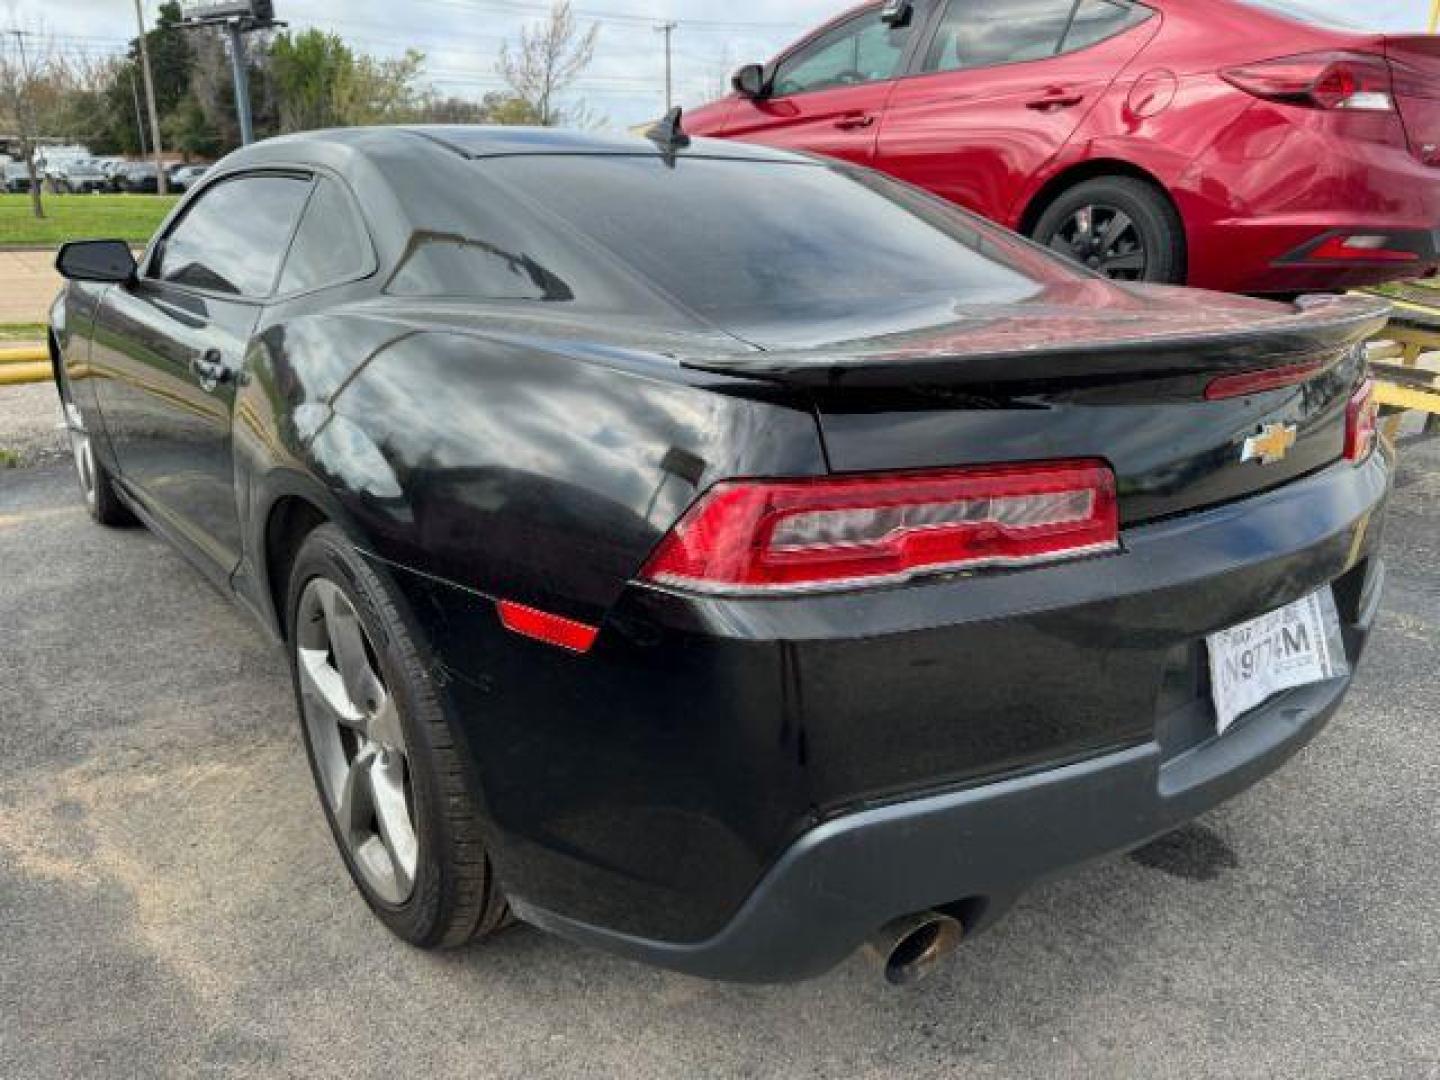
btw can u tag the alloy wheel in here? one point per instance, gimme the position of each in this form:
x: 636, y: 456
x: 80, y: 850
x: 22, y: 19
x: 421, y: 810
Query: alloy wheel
x: 82, y: 450
x: 353, y: 724
x: 1104, y: 238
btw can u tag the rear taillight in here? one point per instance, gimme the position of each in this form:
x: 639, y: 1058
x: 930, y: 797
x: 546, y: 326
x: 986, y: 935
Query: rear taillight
x: 1326, y: 80
x: 1361, y: 417
x: 761, y: 536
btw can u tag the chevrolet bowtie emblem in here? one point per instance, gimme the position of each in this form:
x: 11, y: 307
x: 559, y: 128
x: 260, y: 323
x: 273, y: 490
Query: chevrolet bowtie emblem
x: 1271, y: 445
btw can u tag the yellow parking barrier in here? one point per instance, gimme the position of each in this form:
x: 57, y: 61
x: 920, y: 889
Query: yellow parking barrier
x: 24, y: 354
x: 1405, y: 356
x: 15, y: 374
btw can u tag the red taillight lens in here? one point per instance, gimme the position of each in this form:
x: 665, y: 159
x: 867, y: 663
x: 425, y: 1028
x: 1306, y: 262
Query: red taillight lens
x: 1361, y: 418
x: 769, y: 536
x: 1327, y: 80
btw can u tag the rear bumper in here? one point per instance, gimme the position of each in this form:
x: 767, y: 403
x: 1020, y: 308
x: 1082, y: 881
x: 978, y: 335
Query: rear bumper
x: 1279, y: 179
x: 748, y: 789
x: 973, y: 850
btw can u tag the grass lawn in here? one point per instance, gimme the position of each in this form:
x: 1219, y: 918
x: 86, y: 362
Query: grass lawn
x: 76, y: 217
x: 21, y: 332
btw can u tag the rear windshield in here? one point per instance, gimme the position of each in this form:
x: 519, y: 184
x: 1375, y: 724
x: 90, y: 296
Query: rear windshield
x: 741, y: 242
x: 1311, y: 15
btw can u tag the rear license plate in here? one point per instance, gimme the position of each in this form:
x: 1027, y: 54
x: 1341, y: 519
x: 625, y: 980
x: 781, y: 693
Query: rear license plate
x: 1292, y: 646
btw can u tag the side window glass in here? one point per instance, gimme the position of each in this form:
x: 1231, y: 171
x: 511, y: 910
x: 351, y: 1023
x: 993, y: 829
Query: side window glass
x: 1096, y: 20
x: 862, y: 50
x: 233, y: 238
x: 331, y: 245
x: 980, y: 33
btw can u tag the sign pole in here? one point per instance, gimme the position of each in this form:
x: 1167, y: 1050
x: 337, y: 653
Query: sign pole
x: 238, y: 18
x: 242, y: 82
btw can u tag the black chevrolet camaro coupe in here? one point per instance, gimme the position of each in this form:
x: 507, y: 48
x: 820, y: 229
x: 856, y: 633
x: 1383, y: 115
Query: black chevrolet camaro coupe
x: 717, y: 555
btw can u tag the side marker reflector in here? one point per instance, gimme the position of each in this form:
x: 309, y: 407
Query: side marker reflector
x: 542, y: 626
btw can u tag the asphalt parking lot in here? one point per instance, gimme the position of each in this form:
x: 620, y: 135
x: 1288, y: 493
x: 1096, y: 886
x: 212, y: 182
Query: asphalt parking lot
x: 172, y: 905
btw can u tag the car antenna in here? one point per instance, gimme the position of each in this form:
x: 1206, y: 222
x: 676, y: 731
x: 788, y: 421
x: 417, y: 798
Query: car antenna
x: 669, y: 134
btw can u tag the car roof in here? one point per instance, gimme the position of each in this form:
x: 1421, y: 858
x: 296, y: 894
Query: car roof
x: 479, y: 141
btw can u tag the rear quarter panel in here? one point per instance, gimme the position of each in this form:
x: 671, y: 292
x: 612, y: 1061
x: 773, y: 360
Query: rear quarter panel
x: 513, y: 472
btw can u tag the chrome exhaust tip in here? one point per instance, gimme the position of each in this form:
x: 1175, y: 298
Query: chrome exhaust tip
x: 908, y: 948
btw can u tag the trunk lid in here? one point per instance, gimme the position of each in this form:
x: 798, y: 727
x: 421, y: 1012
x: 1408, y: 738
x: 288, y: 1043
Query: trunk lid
x: 1121, y: 377
x: 1415, y: 66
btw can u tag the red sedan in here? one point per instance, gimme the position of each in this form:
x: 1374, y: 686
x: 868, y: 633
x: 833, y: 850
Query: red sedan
x: 1248, y: 145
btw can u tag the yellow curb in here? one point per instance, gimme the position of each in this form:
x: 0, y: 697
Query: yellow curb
x: 23, y: 354
x: 14, y: 374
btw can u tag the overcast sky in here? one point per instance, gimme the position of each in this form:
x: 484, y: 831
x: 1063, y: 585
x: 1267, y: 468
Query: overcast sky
x: 460, y: 38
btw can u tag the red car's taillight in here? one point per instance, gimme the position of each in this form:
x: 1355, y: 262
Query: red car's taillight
x: 760, y: 536
x: 1361, y: 418
x: 1326, y: 80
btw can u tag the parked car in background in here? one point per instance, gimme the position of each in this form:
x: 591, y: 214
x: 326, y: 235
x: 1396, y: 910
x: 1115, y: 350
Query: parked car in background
x: 17, y: 178
x: 116, y: 175
x: 84, y: 176
x: 183, y: 176
x: 138, y: 178
x: 722, y: 555
x: 53, y: 163
x: 1248, y: 145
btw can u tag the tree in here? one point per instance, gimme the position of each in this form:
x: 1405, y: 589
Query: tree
x: 504, y: 109
x: 24, y: 58
x: 188, y: 130
x: 170, y: 57
x: 319, y: 82
x: 307, y: 70
x: 550, y: 56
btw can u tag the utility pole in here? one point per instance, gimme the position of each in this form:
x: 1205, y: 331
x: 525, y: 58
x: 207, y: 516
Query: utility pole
x: 668, y: 29
x: 161, y: 180
x: 27, y: 125
x: 139, y: 115
x: 242, y: 82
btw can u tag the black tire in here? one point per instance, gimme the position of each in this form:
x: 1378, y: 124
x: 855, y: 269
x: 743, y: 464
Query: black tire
x: 1155, y: 232
x: 454, y: 897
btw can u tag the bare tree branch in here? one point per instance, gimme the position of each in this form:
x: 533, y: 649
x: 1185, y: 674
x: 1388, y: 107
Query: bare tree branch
x: 550, y: 56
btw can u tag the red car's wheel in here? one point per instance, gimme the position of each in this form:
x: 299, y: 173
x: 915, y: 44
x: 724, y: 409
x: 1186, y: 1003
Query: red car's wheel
x: 1118, y: 226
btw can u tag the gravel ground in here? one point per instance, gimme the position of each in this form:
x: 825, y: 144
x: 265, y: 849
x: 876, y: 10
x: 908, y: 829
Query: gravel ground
x: 29, y: 419
x: 172, y: 905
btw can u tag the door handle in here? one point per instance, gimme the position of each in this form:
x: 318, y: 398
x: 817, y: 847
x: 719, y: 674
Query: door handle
x: 855, y: 121
x: 210, y: 369
x: 1056, y: 100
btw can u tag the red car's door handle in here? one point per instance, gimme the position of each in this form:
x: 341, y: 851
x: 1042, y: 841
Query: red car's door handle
x: 854, y: 121
x: 1057, y: 100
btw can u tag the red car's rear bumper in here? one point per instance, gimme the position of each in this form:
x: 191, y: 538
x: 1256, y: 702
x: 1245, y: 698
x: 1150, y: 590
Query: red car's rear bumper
x: 1260, y: 203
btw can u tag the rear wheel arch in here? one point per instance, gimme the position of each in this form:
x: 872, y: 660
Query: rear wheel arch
x: 1145, y: 190
x: 1067, y: 178
x: 57, y: 362
x: 290, y: 519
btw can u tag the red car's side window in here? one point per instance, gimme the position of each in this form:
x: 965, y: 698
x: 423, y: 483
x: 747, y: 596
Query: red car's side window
x: 862, y: 50
x: 973, y: 34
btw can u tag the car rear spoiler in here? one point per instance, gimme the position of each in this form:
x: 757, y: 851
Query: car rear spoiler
x: 1316, y: 326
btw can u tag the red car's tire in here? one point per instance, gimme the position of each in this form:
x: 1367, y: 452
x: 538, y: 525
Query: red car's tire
x: 1119, y: 226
